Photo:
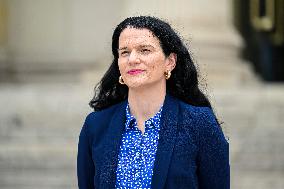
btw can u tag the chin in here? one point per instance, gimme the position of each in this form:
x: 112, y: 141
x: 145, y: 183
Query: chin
x: 135, y: 85
x: 134, y: 82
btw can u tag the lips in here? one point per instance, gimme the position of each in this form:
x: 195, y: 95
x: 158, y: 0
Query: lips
x: 135, y: 71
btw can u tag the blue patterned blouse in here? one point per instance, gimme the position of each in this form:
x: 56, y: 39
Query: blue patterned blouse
x: 137, y: 152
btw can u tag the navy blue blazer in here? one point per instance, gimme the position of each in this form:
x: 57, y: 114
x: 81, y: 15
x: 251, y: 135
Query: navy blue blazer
x: 192, y: 150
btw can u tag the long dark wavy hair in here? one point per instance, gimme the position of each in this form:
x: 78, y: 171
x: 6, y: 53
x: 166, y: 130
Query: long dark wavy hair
x: 183, y: 83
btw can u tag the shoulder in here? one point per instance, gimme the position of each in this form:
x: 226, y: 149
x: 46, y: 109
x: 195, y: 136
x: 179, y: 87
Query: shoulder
x: 197, y: 113
x: 188, y: 112
x: 201, y: 118
x: 98, y: 119
x: 202, y: 121
x: 105, y: 113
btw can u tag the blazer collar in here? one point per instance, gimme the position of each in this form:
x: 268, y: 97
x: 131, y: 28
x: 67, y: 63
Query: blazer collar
x: 165, y: 144
x: 111, y: 142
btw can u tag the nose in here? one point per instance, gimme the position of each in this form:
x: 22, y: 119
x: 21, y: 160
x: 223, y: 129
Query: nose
x: 133, y: 58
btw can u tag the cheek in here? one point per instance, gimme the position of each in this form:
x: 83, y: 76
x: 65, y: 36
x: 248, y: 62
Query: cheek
x: 157, y: 68
x: 154, y: 68
x: 120, y: 66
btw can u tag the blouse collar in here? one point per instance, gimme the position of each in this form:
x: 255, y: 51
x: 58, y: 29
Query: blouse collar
x: 150, y: 123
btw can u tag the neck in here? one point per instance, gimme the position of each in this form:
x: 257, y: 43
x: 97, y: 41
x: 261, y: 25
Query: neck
x: 145, y: 103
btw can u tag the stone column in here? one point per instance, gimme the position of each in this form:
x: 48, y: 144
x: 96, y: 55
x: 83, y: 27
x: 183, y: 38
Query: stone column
x: 3, y: 35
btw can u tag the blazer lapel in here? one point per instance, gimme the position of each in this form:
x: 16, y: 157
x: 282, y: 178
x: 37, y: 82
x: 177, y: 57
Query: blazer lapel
x: 110, y: 152
x: 166, y: 142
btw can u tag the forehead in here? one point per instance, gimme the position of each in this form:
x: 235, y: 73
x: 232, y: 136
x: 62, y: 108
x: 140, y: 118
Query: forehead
x: 134, y: 36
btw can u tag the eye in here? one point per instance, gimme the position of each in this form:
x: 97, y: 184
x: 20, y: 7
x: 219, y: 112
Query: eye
x: 124, y: 53
x: 145, y: 51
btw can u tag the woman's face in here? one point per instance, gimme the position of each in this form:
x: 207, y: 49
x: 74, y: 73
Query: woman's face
x: 141, y: 59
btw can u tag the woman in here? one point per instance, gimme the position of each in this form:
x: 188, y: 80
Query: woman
x: 152, y: 126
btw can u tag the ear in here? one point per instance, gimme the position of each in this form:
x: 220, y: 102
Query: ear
x: 171, y: 61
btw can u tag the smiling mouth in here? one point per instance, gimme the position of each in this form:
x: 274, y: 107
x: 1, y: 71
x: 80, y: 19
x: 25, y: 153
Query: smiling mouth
x: 135, y: 71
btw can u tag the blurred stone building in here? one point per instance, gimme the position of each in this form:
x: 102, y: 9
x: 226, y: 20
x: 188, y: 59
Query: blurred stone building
x: 55, y: 35
x: 39, y: 36
x: 53, y: 52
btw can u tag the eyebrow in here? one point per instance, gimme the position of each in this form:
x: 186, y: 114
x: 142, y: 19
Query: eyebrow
x: 140, y: 46
x: 123, y: 48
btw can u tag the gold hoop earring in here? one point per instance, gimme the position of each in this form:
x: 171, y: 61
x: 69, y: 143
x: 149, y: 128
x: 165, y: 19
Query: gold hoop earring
x: 168, y: 74
x: 120, y: 80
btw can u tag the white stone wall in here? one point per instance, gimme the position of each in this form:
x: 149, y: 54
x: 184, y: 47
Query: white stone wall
x: 60, y: 34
